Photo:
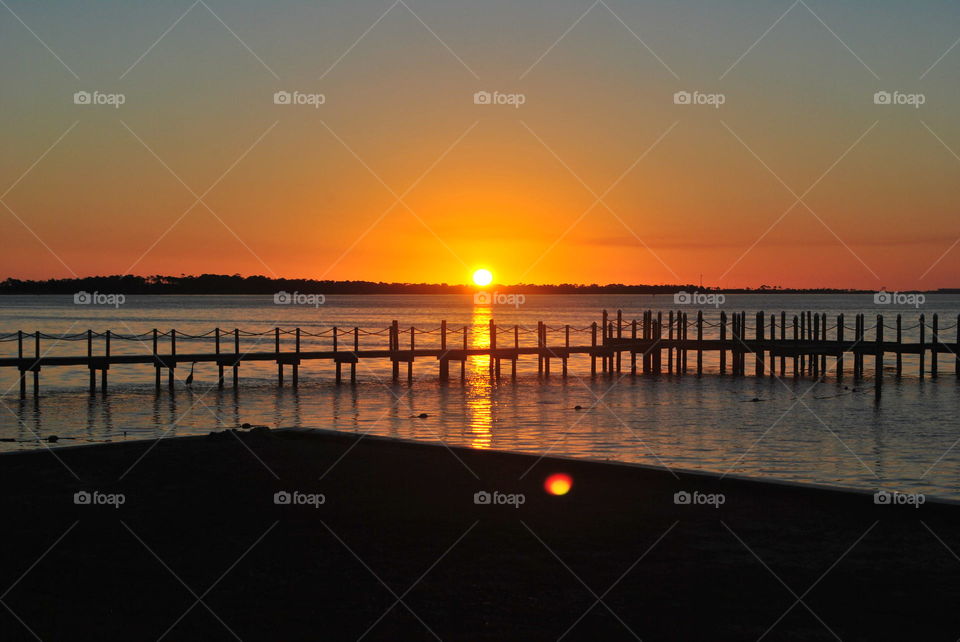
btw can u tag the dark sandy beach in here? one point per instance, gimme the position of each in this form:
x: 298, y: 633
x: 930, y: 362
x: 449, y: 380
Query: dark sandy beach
x: 399, y: 522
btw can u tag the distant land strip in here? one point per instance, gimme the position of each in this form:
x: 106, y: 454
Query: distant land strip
x: 237, y: 284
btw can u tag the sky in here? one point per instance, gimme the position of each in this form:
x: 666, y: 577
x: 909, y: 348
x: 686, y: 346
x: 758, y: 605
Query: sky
x: 788, y: 169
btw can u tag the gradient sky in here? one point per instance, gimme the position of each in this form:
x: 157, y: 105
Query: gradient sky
x: 313, y: 192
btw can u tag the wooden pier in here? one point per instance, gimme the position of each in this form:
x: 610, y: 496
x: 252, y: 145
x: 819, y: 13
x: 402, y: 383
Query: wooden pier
x: 657, y: 343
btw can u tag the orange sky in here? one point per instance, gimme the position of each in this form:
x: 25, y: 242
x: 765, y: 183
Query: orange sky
x: 302, y: 192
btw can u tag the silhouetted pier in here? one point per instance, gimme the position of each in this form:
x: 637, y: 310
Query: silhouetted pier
x: 672, y: 342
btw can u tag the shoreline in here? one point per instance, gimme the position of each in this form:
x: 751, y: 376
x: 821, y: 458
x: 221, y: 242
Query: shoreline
x: 707, y: 475
x: 399, y: 519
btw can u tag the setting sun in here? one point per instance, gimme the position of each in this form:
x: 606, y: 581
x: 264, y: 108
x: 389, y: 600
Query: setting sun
x: 483, y: 277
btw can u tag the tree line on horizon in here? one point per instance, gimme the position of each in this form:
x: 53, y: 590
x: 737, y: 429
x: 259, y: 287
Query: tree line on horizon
x: 259, y: 284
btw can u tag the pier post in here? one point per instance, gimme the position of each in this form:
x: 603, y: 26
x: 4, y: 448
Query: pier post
x: 699, y: 342
x: 463, y: 364
x: 296, y: 364
x: 276, y: 346
x: 658, y: 337
x: 236, y: 363
x: 815, y: 358
x: 444, y: 362
x: 923, y: 337
x: 770, y: 350
x: 685, y: 325
x: 841, y: 349
x: 566, y: 344
x: 516, y: 356
x: 412, y: 348
x: 619, y: 336
x: 758, y: 352
x: 935, y: 336
x: 603, y: 339
x: 156, y: 365
x: 878, y: 366
x: 494, y: 361
x: 23, y: 372
x: 216, y: 334
x: 723, y: 339
x: 395, y: 347
x: 540, y: 348
x: 36, y: 364
x: 670, y: 343
x: 173, y: 358
x: 338, y: 367
x: 356, y: 354
x: 106, y: 363
x: 93, y: 372
x: 783, y: 337
x: 956, y: 356
x: 633, y: 351
x: 900, y: 345
x: 593, y: 354
x: 823, y: 337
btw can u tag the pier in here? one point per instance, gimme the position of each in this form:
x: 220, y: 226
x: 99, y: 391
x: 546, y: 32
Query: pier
x: 659, y: 342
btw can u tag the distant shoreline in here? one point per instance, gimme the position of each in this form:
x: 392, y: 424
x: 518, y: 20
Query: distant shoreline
x: 217, y: 284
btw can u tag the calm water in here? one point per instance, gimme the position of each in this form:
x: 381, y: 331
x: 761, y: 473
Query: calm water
x: 827, y: 432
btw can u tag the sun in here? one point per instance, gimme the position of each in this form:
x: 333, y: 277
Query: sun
x: 483, y: 277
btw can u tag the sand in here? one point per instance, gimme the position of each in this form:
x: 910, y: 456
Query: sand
x: 399, y: 550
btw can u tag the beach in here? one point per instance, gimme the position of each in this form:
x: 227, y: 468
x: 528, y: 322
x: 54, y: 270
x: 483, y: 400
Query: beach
x: 184, y: 538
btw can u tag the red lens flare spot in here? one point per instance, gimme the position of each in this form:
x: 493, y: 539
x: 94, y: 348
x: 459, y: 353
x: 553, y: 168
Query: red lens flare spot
x: 558, y: 484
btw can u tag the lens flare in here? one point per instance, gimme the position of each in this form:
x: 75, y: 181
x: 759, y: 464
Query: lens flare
x: 558, y: 484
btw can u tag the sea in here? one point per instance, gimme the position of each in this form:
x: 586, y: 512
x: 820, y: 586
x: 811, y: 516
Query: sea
x: 829, y: 431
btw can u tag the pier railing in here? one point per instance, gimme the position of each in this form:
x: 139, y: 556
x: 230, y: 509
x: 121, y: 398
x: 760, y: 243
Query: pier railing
x: 656, y: 342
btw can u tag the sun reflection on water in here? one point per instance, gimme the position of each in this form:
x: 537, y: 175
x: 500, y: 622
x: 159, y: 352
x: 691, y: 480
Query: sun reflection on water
x: 479, y: 388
